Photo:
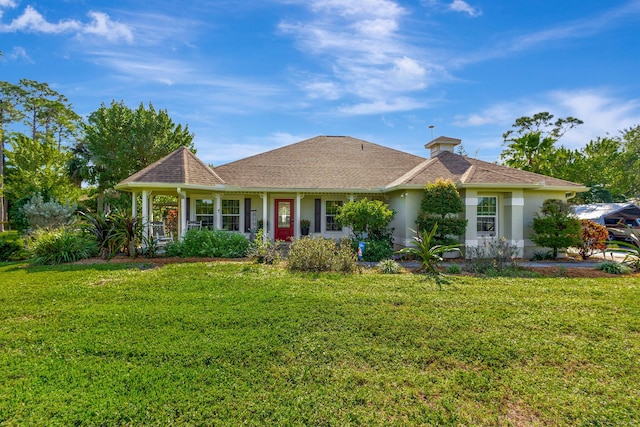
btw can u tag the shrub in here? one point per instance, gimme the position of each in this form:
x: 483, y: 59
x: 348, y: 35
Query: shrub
x: 442, y: 205
x: 613, y: 268
x: 375, y: 250
x: 496, y: 254
x: 594, y: 238
x: 556, y: 228
x: 389, y: 266
x: 10, y: 248
x: 264, y: 252
x: 364, y: 216
x: 210, y: 243
x: 61, y: 245
x: 454, y: 269
x: 320, y: 254
x: 542, y: 256
x: 51, y: 214
x: 113, y: 232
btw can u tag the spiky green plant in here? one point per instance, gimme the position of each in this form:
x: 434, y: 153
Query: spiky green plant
x: 430, y: 255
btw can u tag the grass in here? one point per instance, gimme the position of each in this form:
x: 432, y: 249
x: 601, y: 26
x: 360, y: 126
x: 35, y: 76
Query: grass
x: 237, y: 343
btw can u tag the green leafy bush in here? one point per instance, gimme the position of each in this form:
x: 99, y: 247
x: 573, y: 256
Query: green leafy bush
x: 613, y: 268
x: 319, y: 254
x: 61, y: 246
x: 10, y: 248
x: 441, y: 204
x: 366, y: 216
x: 264, y: 251
x: 454, y: 269
x: 210, y: 243
x: 556, y: 228
x: 389, y: 266
x: 542, y: 256
x: 375, y: 250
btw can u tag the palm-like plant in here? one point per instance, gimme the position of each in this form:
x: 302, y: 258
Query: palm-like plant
x: 631, y: 250
x: 430, y: 255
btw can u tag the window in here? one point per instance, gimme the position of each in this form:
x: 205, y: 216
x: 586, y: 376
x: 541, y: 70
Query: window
x: 330, y: 215
x: 487, y: 216
x: 205, y: 212
x: 231, y: 215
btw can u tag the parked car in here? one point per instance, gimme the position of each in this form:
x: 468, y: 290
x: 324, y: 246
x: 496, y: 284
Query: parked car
x: 621, y: 228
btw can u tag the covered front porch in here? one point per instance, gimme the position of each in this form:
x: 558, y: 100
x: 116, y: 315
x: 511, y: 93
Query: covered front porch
x: 283, y: 215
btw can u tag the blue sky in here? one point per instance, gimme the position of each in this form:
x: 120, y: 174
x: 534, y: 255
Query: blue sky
x: 250, y: 76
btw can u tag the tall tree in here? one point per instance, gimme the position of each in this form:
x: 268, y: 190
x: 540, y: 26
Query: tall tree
x: 47, y: 112
x: 531, y: 144
x: 630, y: 139
x: 9, y: 113
x: 119, y: 142
x: 38, y: 167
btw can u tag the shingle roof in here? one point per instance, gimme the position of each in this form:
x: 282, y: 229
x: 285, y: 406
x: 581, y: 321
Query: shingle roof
x: 470, y: 171
x: 323, y: 162
x: 335, y: 163
x: 179, y: 167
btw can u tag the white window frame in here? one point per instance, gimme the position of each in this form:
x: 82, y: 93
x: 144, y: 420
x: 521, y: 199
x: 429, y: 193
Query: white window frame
x: 327, y: 216
x: 232, y: 215
x: 487, y: 215
x: 208, y: 219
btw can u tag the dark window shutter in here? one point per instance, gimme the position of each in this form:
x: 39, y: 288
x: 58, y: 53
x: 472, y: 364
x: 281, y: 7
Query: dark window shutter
x: 247, y: 215
x: 188, y: 213
x: 318, y: 217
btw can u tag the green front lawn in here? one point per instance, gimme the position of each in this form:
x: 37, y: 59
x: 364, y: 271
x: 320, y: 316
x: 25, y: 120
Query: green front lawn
x: 242, y: 344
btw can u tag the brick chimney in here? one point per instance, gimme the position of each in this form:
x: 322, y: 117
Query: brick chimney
x: 442, y: 143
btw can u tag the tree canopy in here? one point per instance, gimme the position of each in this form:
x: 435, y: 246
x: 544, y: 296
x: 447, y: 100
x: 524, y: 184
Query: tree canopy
x: 120, y: 141
x: 603, y: 164
x: 531, y: 145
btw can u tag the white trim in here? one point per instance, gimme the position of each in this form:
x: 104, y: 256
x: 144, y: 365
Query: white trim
x: 515, y: 201
x: 471, y: 201
x: 496, y: 231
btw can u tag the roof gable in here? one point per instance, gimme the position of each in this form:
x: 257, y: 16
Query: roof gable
x: 179, y: 167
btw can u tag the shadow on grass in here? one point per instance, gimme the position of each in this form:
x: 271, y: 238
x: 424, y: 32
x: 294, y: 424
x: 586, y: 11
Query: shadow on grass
x: 143, y: 265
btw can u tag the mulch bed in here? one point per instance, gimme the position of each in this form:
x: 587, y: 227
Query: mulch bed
x: 560, y: 271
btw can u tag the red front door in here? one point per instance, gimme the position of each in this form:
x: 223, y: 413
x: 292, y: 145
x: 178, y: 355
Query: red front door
x: 284, y: 219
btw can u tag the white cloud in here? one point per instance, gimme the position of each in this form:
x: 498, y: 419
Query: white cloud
x: 18, y: 53
x: 8, y: 3
x: 369, y: 64
x: 101, y: 25
x: 602, y: 112
x: 464, y: 7
x: 382, y: 106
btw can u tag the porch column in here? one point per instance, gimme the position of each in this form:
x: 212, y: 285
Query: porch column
x: 182, y: 213
x: 134, y: 205
x: 218, y: 211
x: 151, y: 206
x: 514, y: 209
x: 265, y: 216
x: 471, y: 215
x: 145, y: 215
x: 296, y: 229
